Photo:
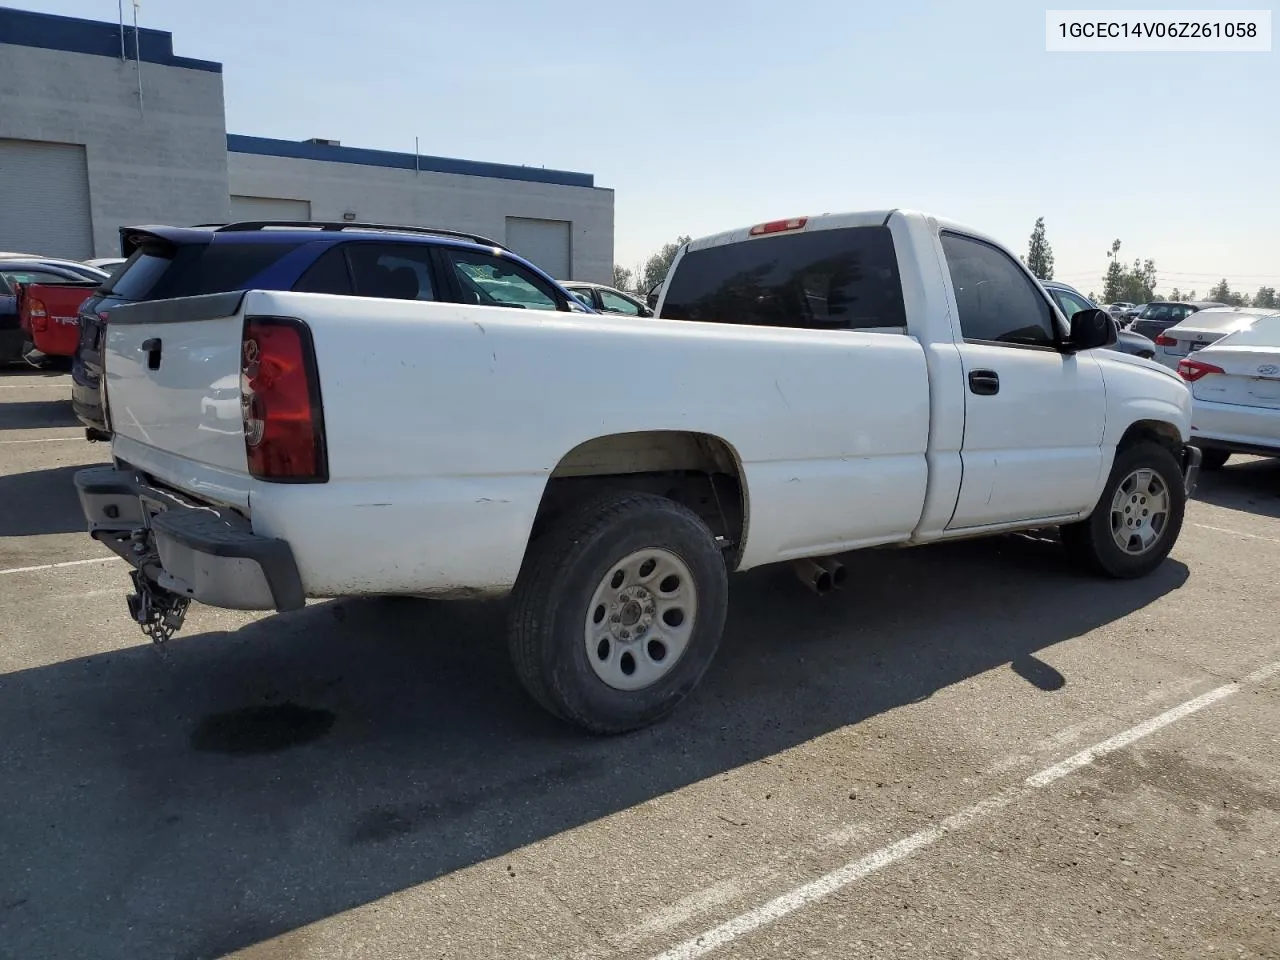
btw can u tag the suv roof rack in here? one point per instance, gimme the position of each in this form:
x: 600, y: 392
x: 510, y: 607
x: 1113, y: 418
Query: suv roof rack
x: 335, y: 225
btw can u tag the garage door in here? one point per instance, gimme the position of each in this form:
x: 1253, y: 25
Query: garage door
x: 44, y: 199
x: 542, y: 242
x: 269, y: 208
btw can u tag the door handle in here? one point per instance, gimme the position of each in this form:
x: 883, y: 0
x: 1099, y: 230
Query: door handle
x: 152, y: 349
x: 985, y: 383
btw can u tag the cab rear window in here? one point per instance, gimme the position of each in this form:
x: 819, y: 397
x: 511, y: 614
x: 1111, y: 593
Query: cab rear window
x: 163, y: 271
x: 844, y: 279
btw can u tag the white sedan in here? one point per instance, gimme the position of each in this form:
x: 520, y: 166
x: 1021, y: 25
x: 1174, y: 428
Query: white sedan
x: 1202, y: 328
x: 1235, y: 386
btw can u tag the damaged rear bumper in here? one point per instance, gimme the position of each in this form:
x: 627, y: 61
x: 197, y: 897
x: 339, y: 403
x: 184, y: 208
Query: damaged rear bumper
x: 189, y: 549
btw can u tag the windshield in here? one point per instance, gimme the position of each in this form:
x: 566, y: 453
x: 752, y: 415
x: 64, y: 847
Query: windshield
x: 1166, y: 311
x: 160, y: 271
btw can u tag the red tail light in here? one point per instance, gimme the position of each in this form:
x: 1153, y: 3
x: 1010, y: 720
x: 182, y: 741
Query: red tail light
x: 39, y: 315
x: 1163, y: 341
x: 1193, y: 370
x: 779, y: 226
x: 280, y: 402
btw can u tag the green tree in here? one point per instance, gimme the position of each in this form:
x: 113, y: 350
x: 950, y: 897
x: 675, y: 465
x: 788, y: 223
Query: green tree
x: 1175, y: 294
x: 1266, y: 297
x: 1135, y: 284
x: 1113, y: 279
x: 656, y: 267
x: 621, y: 277
x: 1222, y: 293
x: 1039, y: 254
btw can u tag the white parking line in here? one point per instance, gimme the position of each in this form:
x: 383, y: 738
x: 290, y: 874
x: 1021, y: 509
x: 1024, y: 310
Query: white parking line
x: 1236, y: 533
x: 830, y: 883
x: 55, y: 566
x: 45, y: 439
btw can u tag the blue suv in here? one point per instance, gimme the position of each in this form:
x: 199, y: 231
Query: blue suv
x: 349, y: 259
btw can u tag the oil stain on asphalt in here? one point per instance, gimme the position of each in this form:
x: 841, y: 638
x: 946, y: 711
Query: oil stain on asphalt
x: 260, y: 729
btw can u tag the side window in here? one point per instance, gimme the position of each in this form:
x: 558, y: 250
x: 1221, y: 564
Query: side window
x: 844, y: 279
x: 392, y: 271
x: 997, y: 301
x: 490, y: 281
x: 328, y: 274
x: 34, y: 276
x: 1070, y: 303
x: 618, y: 304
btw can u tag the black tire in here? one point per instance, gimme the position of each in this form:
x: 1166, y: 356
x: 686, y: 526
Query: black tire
x: 1213, y: 458
x: 553, y: 595
x: 1090, y: 542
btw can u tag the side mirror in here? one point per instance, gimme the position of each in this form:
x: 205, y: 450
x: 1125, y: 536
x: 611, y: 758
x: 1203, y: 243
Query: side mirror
x: 1090, y: 329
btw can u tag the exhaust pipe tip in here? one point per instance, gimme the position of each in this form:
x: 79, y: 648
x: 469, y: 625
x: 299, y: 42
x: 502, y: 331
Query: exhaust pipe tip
x: 814, y: 576
x: 839, y: 575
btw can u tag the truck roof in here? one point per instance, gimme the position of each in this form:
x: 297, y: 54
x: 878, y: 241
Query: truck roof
x: 835, y: 221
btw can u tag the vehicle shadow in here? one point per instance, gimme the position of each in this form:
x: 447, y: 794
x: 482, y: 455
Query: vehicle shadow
x: 33, y: 414
x: 40, y: 501
x: 19, y: 370
x: 1251, y: 485
x: 253, y: 782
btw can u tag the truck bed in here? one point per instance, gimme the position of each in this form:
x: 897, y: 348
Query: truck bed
x: 444, y: 422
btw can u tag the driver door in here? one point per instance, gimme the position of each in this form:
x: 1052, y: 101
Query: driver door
x: 1033, y: 415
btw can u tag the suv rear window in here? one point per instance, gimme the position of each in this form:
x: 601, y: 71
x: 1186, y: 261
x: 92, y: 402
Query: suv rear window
x: 843, y: 279
x: 161, y: 271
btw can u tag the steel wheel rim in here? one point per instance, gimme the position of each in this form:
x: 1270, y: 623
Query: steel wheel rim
x: 1140, y: 512
x: 640, y: 619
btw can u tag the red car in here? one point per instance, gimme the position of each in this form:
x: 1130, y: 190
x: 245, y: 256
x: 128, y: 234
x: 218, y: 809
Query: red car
x: 18, y: 336
x: 49, y: 314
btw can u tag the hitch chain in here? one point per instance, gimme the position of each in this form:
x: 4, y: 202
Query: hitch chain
x: 158, y: 611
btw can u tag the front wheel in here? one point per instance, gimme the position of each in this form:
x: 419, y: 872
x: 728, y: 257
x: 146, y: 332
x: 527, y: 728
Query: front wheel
x: 1138, y: 517
x: 618, y: 612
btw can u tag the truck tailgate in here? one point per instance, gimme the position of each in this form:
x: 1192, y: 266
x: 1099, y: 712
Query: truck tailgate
x: 49, y: 312
x: 173, y: 379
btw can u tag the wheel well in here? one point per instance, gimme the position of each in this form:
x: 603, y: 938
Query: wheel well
x: 1155, y: 431
x: 698, y: 470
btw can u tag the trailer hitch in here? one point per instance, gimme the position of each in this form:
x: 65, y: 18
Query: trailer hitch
x: 158, y: 611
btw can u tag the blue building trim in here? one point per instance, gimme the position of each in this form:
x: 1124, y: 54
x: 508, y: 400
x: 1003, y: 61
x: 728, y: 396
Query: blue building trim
x: 48, y: 31
x: 298, y: 150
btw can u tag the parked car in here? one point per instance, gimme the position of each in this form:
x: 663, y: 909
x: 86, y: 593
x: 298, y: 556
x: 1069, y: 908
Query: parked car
x: 601, y: 469
x: 1070, y: 301
x: 84, y: 270
x: 366, y: 260
x: 1235, y: 385
x: 604, y: 299
x: 1159, y: 315
x: 106, y: 263
x: 1202, y: 328
x: 1117, y: 310
x: 49, y: 316
x: 15, y: 271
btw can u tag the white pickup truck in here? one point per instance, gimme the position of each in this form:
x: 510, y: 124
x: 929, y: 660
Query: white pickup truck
x: 811, y: 386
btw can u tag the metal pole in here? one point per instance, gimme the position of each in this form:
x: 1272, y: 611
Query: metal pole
x: 415, y: 156
x: 137, y: 56
x: 120, y: 11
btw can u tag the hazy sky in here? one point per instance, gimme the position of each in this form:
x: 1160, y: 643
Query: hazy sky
x: 704, y: 115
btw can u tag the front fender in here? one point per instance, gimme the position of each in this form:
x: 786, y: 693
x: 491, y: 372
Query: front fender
x: 1139, y: 390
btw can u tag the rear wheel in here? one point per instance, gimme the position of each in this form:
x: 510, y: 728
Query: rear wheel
x: 1138, y: 517
x: 1213, y: 458
x: 618, y: 612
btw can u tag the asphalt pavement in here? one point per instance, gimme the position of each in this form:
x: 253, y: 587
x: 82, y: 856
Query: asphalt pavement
x: 971, y: 751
